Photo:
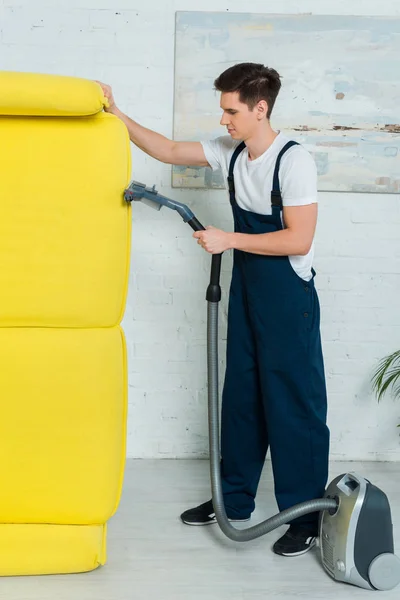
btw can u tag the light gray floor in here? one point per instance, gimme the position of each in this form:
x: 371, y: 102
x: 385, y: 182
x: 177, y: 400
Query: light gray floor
x: 153, y: 556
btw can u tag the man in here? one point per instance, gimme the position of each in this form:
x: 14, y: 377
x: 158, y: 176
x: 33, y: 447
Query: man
x: 274, y: 392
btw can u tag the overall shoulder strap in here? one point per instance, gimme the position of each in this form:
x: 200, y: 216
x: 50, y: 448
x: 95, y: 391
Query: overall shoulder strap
x: 238, y: 150
x: 276, y: 197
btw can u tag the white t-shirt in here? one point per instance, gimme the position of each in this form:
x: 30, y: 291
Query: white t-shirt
x: 254, y: 178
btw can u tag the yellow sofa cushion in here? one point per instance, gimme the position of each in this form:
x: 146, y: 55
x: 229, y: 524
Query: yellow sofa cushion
x: 46, y: 95
x: 63, y: 424
x: 51, y: 549
x: 64, y: 224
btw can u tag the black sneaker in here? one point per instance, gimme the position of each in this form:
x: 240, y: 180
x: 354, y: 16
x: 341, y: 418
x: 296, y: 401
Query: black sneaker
x: 204, y: 515
x: 298, y: 540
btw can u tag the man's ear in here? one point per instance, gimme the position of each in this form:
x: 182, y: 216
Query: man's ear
x: 261, y: 109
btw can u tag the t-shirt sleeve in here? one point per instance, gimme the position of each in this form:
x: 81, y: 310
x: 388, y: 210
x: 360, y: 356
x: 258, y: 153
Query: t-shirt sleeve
x: 212, y: 153
x: 298, y: 178
x: 217, y: 151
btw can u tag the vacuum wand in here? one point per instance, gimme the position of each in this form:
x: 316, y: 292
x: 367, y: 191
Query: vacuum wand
x: 139, y: 191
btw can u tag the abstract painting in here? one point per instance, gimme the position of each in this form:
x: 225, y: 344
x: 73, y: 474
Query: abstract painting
x: 340, y: 93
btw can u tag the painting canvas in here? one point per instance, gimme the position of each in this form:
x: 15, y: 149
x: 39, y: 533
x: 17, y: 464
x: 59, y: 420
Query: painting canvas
x: 340, y: 93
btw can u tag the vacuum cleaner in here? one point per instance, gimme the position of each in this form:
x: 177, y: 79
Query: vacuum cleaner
x: 355, y: 525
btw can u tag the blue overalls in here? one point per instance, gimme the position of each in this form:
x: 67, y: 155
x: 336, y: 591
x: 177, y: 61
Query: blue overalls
x: 274, y: 393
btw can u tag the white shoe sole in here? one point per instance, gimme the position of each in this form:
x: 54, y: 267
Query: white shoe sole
x: 215, y: 521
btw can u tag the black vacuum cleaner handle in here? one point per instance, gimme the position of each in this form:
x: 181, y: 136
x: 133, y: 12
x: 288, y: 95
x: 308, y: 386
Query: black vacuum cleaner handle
x: 214, y: 288
x: 196, y: 225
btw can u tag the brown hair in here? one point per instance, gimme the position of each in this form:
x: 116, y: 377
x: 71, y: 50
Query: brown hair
x: 253, y: 82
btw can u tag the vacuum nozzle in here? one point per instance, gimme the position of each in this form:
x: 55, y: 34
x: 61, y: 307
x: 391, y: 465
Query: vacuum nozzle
x: 139, y: 191
x: 150, y: 196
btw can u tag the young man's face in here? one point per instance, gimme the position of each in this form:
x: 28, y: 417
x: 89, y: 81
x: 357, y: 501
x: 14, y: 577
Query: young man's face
x: 240, y: 121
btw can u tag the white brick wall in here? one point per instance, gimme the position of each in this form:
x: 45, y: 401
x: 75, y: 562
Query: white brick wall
x: 131, y: 46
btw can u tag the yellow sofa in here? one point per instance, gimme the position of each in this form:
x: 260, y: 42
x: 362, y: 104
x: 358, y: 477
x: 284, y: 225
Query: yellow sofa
x: 64, y: 263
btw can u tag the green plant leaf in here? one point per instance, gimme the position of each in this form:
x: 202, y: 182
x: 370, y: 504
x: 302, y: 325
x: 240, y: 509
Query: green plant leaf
x: 387, y: 374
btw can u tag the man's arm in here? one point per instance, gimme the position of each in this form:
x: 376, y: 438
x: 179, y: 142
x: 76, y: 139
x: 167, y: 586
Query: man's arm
x: 295, y: 239
x: 160, y: 147
x: 155, y: 144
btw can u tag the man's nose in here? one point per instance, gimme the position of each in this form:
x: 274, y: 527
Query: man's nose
x: 224, y: 119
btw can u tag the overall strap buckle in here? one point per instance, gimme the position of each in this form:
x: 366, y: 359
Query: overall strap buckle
x: 276, y: 199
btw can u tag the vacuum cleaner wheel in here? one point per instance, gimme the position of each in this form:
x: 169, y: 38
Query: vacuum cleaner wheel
x: 384, y: 571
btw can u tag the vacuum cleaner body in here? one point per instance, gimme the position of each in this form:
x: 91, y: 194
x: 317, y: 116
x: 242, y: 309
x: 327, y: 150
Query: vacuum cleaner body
x: 356, y: 540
